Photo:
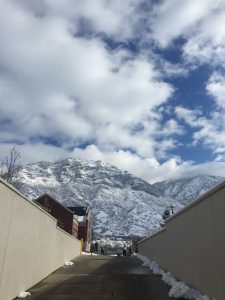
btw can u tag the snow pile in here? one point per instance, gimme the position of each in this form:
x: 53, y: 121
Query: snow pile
x: 24, y: 294
x: 151, y: 264
x: 178, y: 288
x: 168, y: 278
x: 68, y: 263
x: 88, y: 253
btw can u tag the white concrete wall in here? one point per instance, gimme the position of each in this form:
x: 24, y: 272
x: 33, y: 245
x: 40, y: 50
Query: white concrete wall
x: 31, y: 244
x: 192, y: 247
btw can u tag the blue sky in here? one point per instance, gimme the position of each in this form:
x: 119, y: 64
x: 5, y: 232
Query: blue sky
x: 138, y: 84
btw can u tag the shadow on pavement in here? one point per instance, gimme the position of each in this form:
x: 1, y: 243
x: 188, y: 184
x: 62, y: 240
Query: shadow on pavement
x: 101, y: 278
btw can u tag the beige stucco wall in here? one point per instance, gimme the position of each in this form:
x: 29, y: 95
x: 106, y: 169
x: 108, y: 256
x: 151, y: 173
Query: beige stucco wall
x: 31, y: 245
x: 192, y: 247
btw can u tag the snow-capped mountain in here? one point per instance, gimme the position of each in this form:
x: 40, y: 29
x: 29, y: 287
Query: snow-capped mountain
x: 188, y: 189
x: 122, y: 204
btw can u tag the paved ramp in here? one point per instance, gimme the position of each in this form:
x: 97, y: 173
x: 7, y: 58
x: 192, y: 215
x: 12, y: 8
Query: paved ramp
x: 101, y: 278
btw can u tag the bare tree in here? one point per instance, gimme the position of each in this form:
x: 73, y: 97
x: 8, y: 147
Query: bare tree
x: 1, y: 169
x: 11, y: 166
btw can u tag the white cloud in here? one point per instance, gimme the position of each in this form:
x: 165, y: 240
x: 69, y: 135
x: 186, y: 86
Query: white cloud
x: 216, y: 88
x: 207, y: 44
x: 175, y: 18
x: 172, y: 127
x: 190, y: 116
x: 212, y: 135
x: 150, y: 169
x: 213, y: 168
x: 114, y: 18
x: 208, y: 132
x: 34, y: 152
x: 58, y: 86
x: 199, y: 23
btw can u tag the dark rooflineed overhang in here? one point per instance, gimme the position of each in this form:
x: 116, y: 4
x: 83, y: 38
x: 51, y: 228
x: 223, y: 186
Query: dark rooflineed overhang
x: 79, y: 210
x: 47, y: 195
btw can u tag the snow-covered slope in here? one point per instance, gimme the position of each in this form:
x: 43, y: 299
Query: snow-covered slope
x: 122, y: 203
x: 188, y: 189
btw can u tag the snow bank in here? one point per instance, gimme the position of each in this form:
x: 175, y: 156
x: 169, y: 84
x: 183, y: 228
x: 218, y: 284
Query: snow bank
x: 178, y: 288
x: 88, y: 253
x: 68, y: 263
x: 24, y: 294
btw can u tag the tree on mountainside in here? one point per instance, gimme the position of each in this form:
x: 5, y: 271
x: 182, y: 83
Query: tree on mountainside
x: 11, y: 166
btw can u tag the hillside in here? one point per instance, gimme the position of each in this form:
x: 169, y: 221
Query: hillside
x: 187, y: 189
x: 122, y: 204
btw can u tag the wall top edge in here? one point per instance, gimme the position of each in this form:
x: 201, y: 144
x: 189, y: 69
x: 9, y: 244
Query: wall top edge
x: 215, y: 189
x: 12, y: 188
x: 73, y: 237
x: 155, y: 234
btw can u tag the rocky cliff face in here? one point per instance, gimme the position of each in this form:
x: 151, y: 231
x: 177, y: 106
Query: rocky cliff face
x: 122, y: 204
x: 188, y: 189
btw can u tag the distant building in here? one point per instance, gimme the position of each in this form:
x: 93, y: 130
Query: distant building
x: 134, y: 246
x: 66, y: 219
x: 84, y: 216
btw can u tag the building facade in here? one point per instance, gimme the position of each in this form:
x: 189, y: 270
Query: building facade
x: 66, y: 219
x: 84, y: 216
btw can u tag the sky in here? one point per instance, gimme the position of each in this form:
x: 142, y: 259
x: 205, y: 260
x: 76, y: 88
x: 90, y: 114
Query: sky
x: 137, y: 84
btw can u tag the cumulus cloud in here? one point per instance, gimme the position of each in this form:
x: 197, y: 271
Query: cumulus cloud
x: 207, y: 44
x: 200, y: 25
x: 148, y: 168
x: 216, y: 88
x: 175, y: 18
x: 63, y: 85
x: 34, y: 152
x: 208, y: 132
x: 115, y: 18
x: 59, y: 86
x: 172, y: 127
x: 190, y: 116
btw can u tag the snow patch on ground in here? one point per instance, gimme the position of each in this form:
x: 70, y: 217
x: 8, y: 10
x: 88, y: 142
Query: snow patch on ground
x: 68, y: 263
x: 88, y: 253
x: 178, y: 288
x: 24, y: 294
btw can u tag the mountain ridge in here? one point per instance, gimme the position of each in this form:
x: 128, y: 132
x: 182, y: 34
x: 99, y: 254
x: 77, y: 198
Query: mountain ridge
x: 188, y: 189
x: 122, y: 204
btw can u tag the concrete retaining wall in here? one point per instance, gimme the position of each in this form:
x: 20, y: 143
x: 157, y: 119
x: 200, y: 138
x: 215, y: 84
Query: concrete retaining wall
x: 31, y: 244
x: 192, y: 247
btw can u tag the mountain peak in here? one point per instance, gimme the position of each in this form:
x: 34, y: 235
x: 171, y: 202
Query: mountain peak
x: 122, y: 204
x: 111, y: 193
x: 187, y: 189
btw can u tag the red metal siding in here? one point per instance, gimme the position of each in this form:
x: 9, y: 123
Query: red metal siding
x: 82, y: 232
x: 75, y: 228
x: 85, y: 229
x: 63, y: 216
